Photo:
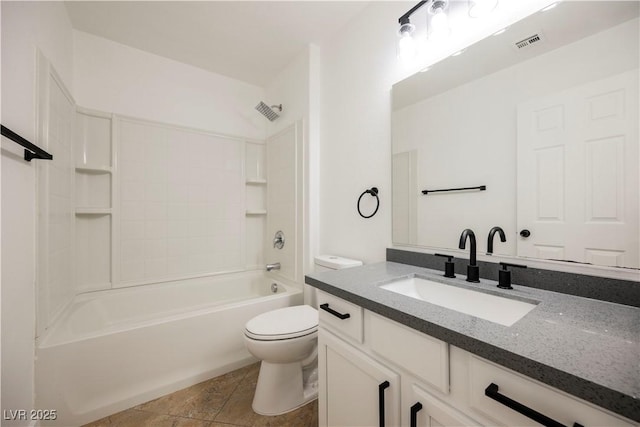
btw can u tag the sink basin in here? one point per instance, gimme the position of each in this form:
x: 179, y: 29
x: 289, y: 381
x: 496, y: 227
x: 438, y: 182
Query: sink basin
x: 493, y: 308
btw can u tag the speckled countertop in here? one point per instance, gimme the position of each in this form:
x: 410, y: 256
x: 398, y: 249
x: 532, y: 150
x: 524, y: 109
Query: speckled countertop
x: 585, y: 347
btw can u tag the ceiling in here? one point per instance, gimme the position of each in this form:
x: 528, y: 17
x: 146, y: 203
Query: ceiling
x: 246, y: 40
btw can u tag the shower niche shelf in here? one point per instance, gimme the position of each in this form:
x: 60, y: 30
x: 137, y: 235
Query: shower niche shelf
x: 93, y: 211
x: 255, y: 204
x: 256, y: 182
x: 94, y: 198
x: 93, y: 170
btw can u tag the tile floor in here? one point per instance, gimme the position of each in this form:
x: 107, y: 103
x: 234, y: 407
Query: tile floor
x: 224, y: 401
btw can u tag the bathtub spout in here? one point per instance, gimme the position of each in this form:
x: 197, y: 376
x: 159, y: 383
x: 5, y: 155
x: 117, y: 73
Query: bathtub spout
x: 274, y: 266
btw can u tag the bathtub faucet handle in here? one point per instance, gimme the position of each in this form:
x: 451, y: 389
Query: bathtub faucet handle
x: 274, y: 266
x: 278, y: 240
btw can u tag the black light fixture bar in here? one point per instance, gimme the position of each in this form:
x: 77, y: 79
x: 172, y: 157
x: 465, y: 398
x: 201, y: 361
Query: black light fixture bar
x: 404, y: 19
x: 31, y: 151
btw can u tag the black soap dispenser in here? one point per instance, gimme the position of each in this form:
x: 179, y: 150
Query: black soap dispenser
x: 504, y: 275
x: 449, y: 266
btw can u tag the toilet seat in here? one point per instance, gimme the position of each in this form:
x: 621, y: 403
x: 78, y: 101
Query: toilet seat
x: 282, y: 324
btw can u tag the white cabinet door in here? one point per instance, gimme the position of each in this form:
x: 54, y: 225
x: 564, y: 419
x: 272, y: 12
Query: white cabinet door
x: 578, y: 173
x: 422, y: 409
x: 355, y: 390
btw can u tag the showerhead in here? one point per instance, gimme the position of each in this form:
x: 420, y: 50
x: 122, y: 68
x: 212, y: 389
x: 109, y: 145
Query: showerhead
x: 268, y: 112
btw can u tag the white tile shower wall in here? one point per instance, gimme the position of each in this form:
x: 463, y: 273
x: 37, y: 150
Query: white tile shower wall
x: 182, y: 202
x: 282, y: 176
x: 56, y: 280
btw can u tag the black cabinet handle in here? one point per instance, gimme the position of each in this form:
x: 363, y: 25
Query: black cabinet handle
x: 492, y: 392
x: 525, y: 233
x: 381, y: 388
x: 341, y: 316
x: 414, y: 414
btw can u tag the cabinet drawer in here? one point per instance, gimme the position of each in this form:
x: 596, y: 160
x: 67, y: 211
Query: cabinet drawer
x: 342, y: 317
x: 422, y: 355
x: 541, y: 398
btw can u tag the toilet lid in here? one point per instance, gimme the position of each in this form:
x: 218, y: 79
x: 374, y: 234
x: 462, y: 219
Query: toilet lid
x: 283, y: 323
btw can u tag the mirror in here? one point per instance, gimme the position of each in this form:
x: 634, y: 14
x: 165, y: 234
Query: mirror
x: 545, y: 116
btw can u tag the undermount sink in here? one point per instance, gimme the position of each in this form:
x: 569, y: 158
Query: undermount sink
x: 493, y: 308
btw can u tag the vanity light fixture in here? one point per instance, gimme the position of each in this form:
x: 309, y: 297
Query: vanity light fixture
x: 480, y: 8
x: 406, y: 43
x: 437, y: 22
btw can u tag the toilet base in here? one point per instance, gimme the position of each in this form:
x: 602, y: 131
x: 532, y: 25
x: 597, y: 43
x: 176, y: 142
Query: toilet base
x: 283, y: 387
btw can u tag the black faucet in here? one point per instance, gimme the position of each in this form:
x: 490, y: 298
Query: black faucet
x: 492, y: 233
x: 473, y: 271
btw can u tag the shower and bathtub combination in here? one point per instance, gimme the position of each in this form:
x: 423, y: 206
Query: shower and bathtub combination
x: 111, y: 350
x: 165, y: 261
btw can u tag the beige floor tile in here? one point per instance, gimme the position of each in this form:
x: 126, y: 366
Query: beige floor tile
x: 306, y: 416
x: 238, y: 410
x: 224, y: 401
x: 202, y: 401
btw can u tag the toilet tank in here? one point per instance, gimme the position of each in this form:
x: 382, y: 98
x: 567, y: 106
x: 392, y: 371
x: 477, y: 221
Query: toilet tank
x: 332, y: 262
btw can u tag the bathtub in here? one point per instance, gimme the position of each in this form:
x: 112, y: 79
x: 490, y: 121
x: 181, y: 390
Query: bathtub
x: 114, y: 349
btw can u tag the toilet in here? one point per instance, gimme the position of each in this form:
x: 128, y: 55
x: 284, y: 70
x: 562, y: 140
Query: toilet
x: 286, y: 341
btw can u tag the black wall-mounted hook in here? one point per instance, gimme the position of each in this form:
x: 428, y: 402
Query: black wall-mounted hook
x: 374, y: 192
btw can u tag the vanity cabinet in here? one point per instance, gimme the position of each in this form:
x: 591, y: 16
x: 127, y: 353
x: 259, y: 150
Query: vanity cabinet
x: 552, y: 403
x: 356, y: 390
x: 368, y: 363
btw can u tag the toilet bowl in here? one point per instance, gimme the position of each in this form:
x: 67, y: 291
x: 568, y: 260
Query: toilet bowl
x: 286, y: 342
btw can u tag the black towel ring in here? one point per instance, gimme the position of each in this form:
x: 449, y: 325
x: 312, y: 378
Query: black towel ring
x: 374, y: 193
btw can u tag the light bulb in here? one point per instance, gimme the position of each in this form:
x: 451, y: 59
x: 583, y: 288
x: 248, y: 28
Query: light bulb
x: 440, y: 25
x: 406, y: 44
x: 480, y: 8
x: 406, y: 48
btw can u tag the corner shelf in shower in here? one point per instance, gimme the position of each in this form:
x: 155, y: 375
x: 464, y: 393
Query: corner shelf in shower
x: 256, y: 213
x: 256, y: 182
x: 93, y: 211
x: 94, y: 170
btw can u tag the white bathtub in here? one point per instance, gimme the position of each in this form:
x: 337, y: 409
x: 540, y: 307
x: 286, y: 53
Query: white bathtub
x: 111, y: 350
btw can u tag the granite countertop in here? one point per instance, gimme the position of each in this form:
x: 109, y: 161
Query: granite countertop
x: 585, y: 347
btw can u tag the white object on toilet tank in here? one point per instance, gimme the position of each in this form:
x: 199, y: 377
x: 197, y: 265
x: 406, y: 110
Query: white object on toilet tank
x: 332, y: 262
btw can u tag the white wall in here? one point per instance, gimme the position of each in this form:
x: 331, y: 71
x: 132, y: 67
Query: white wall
x: 116, y: 78
x: 25, y: 26
x: 358, y: 68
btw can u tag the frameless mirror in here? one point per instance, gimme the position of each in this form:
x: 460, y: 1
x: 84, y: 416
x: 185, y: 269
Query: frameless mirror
x: 545, y: 117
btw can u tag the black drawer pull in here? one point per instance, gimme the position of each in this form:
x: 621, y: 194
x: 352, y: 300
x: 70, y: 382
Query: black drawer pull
x: 381, y: 388
x: 341, y: 316
x: 492, y: 392
x: 414, y: 414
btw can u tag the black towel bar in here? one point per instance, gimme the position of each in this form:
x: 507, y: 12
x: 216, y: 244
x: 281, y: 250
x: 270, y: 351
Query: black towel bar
x: 31, y: 151
x: 480, y: 187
